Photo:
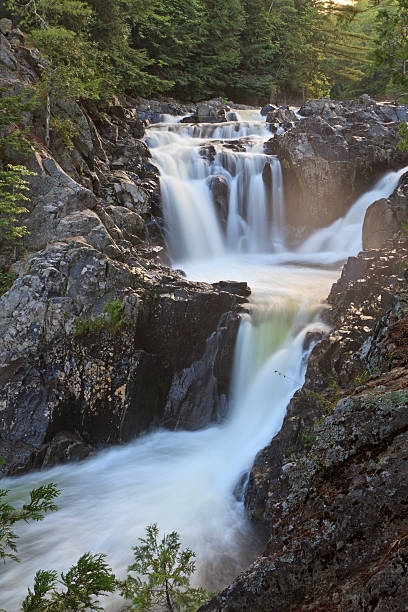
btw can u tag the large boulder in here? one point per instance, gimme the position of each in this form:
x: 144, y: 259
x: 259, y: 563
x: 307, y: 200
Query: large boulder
x: 282, y: 114
x: 385, y: 217
x: 328, y: 163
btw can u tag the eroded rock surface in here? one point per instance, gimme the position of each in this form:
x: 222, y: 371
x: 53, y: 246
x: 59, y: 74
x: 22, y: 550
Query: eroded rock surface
x: 333, y: 154
x: 99, y: 339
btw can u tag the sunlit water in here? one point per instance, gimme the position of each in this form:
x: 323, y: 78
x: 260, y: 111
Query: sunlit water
x: 187, y: 481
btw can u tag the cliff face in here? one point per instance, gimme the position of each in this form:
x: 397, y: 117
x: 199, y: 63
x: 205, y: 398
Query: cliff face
x: 332, y: 486
x: 332, y: 154
x: 100, y: 340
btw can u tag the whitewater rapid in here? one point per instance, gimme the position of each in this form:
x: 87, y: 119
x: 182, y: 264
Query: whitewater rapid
x: 187, y: 481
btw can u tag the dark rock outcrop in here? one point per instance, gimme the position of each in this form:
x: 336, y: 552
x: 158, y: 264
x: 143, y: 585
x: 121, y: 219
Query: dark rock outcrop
x: 385, y: 217
x: 283, y: 114
x: 330, y: 157
x: 64, y: 368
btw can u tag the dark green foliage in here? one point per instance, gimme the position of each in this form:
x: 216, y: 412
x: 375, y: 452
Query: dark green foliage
x: 13, y: 178
x: 41, y: 502
x: 90, y: 578
x: 403, y: 134
x: 193, y: 49
x: 13, y: 189
x: 13, y: 134
x: 6, y: 280
x: 112, y: 322
x: 160, y: 575
x: 392, y: 42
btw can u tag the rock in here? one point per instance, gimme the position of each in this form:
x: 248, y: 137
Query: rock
x: 8, y: 63
x: 106, y: 387
x: 54, y: 195
x: 16, y: 37
x: 208, y: 113
x: 64, y: 447
x: 326, y: 164
x: 385, y: 217
x: 132, y: 196
x: 281, y: 115
x: 267, y: 109
x: 6, y: 26
x: 220, y: 191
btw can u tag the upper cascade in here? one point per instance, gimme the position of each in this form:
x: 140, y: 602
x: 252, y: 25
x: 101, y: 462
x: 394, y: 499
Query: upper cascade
x: 220, y: 192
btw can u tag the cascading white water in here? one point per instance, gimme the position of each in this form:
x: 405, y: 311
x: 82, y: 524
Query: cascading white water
x: 251, y: 219
x: 185, y: 481
x: 344, y: 237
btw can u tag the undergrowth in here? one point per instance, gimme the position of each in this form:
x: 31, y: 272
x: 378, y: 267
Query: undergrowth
x: 112, y: 321
x: 6, y: 280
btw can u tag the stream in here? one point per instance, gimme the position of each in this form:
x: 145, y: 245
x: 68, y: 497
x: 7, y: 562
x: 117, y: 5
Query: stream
x: 187, y: 481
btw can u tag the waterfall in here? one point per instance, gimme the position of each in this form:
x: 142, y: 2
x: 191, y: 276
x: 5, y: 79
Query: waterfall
x: 186, y: 481
x: 220, y: 192
x: 344, y: 236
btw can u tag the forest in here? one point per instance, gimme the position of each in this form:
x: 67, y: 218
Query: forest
x: 250, y: 51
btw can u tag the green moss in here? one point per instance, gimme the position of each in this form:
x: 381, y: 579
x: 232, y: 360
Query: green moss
x: 362, y: 378
x: 111, y: 322
x: 309, y: 439
x: 391, y: 400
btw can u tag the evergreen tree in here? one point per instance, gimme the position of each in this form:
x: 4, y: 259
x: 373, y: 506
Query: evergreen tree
x: 82, y: 585
x: 41, y: 502
x: 14, y: 145
x: 162, y: 575
x: 171, y: 37
x: 392, y: 42
x: 58, y: 28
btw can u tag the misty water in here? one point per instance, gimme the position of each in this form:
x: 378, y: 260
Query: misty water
x: 187, y: 481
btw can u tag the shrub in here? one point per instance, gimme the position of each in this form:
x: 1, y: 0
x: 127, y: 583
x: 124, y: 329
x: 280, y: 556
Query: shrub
x: 112, y: 323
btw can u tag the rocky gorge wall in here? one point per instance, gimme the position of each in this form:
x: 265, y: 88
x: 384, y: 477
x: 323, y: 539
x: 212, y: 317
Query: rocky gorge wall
x: 331, y: 152
x: 100, y: 340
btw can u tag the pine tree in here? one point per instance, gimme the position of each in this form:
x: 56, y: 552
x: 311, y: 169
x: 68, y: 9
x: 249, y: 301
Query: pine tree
x: 41, y: 502
x: 162, y: 575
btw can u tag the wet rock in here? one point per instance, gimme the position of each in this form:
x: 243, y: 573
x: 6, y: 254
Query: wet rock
x: 63, y: 367
x: 267, y: 109
x: 281, y: 115
x: 219, y: 188
x: 209, y: 113
x: 327, y: 164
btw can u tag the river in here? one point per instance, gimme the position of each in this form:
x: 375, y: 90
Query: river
x: 187, y: 481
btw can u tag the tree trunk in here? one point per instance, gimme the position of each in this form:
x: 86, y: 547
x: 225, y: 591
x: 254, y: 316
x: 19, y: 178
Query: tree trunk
x: 48, y: 110
x: 168, y: 599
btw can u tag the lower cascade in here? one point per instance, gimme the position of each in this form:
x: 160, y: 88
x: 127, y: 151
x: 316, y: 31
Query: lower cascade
x: 223, y: 205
